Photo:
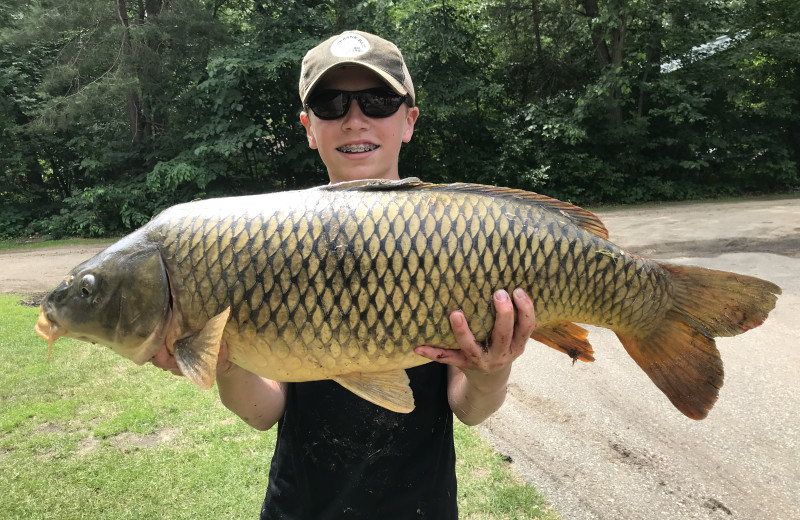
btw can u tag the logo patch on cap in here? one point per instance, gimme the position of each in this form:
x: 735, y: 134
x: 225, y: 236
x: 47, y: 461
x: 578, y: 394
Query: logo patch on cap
x: 349, y: 45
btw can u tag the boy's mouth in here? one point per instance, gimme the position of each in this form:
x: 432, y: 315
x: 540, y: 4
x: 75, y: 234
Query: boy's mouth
x: 357, y: 148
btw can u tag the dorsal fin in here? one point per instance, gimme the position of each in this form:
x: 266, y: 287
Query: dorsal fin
x: 579, y: 216
x: 378, y: 184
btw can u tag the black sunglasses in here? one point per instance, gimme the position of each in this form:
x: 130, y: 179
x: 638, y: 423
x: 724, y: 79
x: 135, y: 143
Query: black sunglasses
x: 374, y: 102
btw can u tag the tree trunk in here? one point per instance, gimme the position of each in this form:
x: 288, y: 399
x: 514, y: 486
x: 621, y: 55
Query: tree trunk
x: 608, y: 57
x: 537, y: 27
x: 153, y: 7
x: 652, y: 65
x: 618, y: 41
x: 135, y: 117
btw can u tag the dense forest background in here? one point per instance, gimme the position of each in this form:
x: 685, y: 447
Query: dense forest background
x: 111, y: 110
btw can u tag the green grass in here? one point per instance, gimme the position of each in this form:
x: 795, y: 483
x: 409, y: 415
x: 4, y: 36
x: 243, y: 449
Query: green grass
x: 487, y: 486
x: 91, y: 435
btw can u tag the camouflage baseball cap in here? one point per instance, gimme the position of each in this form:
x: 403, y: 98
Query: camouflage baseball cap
x: 356, y: 48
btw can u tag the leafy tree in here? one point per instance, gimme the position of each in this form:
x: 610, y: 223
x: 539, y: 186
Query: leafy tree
x: 102, y: 86
x: 112, y: 109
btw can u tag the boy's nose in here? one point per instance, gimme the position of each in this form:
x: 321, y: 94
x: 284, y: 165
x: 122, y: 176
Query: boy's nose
x: 355, y: 118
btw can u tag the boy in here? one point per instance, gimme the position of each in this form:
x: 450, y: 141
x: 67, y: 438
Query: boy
x: 338, y: 456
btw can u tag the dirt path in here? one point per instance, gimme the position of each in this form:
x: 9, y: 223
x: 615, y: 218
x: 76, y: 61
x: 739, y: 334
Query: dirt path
x: 599, y: 439
x: 35, y: 271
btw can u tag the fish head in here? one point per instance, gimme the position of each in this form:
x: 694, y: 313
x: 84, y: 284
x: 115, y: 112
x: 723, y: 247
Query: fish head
x: 120, y: 298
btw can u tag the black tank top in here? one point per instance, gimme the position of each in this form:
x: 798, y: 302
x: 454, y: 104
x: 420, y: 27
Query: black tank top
x: 341, y: 457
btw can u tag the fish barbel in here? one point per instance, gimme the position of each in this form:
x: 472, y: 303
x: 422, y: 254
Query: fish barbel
x: 342, y: 282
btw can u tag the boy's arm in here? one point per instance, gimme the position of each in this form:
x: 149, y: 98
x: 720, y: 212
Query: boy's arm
x: 256, y: 400
x: 478, y: 375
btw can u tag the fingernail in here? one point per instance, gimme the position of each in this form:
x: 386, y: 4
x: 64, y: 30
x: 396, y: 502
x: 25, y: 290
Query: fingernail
x: 456, y: 318
x: 519, y: 293
x: 501, y: 295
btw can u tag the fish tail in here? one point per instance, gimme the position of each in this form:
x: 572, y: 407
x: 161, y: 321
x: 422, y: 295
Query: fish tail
x: 680, y: 354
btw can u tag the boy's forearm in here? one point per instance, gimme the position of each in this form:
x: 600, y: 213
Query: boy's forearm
x: 257, y: 401
x: 473, y: 399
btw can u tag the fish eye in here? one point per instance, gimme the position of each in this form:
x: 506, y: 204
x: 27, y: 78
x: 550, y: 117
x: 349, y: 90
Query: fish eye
x: 87, y: 285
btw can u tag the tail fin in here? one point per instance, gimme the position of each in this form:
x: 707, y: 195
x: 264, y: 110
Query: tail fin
x: 680, y: 354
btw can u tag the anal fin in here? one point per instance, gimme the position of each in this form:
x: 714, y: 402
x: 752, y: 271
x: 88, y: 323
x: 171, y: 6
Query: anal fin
x: 197, y: 354
x: 566, y: 337
x: 389, y: 390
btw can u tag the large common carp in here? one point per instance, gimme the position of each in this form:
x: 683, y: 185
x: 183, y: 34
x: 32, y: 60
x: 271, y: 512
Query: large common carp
x: 342, y: 282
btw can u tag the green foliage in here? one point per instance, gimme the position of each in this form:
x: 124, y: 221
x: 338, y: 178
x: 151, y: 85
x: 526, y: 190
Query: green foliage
x: 104, y: 121
x: 98, y: 211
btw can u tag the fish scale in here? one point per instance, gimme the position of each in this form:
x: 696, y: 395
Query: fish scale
x: 343, y: 282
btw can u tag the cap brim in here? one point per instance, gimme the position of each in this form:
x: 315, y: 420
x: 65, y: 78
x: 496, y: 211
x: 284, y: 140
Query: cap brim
x: 385, y: 76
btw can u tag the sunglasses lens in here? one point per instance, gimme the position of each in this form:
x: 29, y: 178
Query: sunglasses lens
x: 380, y: 103
x: 329, y: 104
x: 333, y: 104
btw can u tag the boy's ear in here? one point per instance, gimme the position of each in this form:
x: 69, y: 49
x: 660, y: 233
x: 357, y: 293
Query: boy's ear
x: 312, y: 141
x: 411, y: 118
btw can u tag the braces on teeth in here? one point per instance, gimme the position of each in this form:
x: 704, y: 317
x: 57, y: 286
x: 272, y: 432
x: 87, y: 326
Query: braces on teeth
x: 357, y: 148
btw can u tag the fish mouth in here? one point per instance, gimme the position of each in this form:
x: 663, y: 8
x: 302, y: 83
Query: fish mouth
x: 47, y: 329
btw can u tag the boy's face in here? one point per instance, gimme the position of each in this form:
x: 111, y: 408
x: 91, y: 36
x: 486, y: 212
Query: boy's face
x: 336, y: 140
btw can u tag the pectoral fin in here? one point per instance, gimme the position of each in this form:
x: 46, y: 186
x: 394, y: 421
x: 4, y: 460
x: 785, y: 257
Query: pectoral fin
x: 387, y: 389
x: 197, y: 354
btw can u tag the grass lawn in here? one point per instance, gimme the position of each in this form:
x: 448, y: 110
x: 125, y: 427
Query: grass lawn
x: 92, y: 435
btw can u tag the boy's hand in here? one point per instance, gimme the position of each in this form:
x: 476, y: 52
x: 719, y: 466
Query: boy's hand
x: 507, y: 341
x: 166, y: 361
x: 478, y: 374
